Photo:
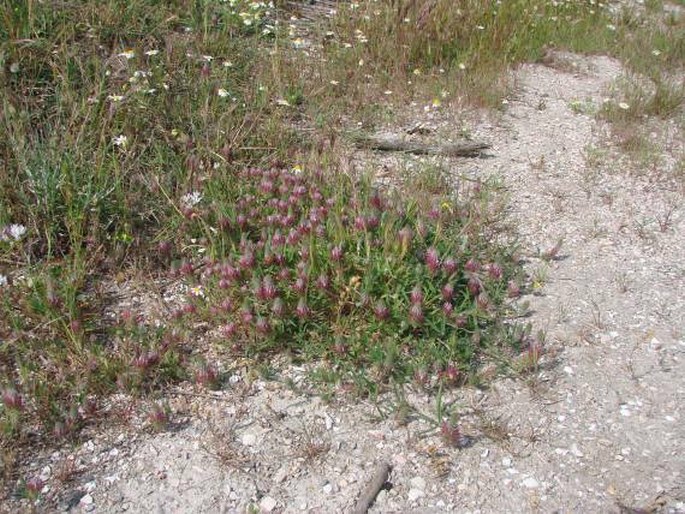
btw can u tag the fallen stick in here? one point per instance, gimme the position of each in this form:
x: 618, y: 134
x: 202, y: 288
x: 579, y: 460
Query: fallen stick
x: 387, y: 143
x: 368, y: 496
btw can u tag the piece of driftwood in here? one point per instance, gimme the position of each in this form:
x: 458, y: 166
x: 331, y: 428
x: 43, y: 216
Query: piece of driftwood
x: 392, y: 143
x: 368, y: 496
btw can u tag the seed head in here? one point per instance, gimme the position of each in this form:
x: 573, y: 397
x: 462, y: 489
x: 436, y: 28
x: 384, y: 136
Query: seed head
x: 207, y: 375
x: 247, y: 260
x: 405, y: 236
x: 451, y: 434
x: 158, y: 416
x: 474, y: 286
x: 447, y: 309
x: 336, y: 253
x: 300, y: 285
x: 494, y: 271
x: 449, y: 266
x: 278, y: 308
x: 372, y: 222
x: 34, y: 486
x: 228, y: 330
x: 447, y: 292
x: 513, y: 289
x: 12, y: 399
x: 262, y: 325
x: 416, y: 295
x: 268, y: 288
x: 472, y: 266
x: 302, y: 310
x: 416, y: 314
x: 323, y: 282
x: 432, y: 260
x: 381, y: 311
x: 246, y: 314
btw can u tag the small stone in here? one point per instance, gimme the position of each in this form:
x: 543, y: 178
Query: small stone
x: 267, y: 504
x: 90, y: 486
x: 45, y: 473
x: 575, y: 450
x: 113, y: 452
x: 86, y: 499
x: 485, y: 452
x: 328, y: 488
x: 382, y: 497
x: 249, y: 439
x: 418, y: 483
x: 303, y: 506
x: 530, y: 483
x: 415, y: 494
x: 281, y: 474
x: 506, y: 462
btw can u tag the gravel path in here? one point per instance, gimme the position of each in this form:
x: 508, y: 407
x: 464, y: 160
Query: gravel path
x: 600, y: 431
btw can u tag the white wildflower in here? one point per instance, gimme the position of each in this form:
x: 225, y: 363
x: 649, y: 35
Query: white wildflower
x: 115, y: 98
x: 3, y: 281
x: 152, y: 52
x: 127, y: 54
x: 191, y: 199
x: 222, y: 93
x: 120, y: 141
x: 16, y: 231
x: 624, y: 106
x: 197, y: 291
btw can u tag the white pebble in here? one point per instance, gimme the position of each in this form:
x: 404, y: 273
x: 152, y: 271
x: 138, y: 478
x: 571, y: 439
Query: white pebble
x: 575, y: 450
x: 415, y: 494
x: 267, y: 504
x: 249, y: 439
x: 530, y: 483
x: 418, y: 483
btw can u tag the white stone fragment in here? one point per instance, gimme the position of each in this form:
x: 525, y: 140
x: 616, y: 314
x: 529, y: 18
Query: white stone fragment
x: 415, y: 494
x: 45, y: 473
x: 418, y: 483
x: 575, y: 450
x: 268, y: 504
x: 249, y: 439
x: 530, y: 483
